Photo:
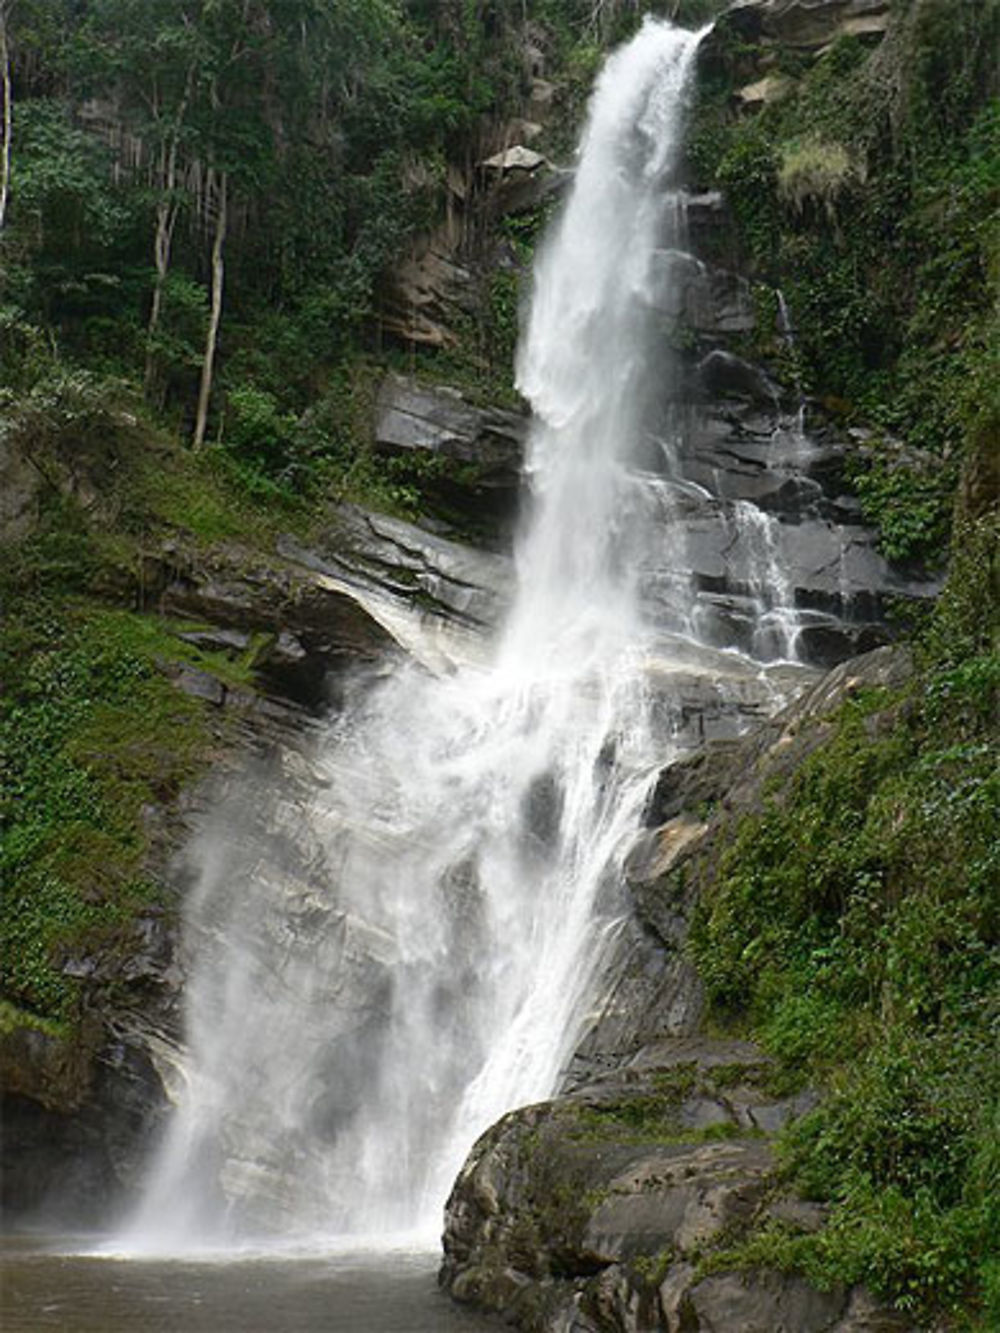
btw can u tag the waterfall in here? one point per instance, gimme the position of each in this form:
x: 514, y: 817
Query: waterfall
x: 394, y: 944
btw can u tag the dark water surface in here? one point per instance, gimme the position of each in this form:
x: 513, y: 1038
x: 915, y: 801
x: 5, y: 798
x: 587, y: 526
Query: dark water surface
x: 42, y: 1288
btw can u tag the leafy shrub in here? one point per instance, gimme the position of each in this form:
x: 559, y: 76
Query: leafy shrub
x: 257, y: 431
x: 814, y: 172
x: 910, y: 506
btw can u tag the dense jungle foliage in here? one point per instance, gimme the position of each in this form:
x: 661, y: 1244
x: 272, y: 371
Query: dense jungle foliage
x: 270, y: 156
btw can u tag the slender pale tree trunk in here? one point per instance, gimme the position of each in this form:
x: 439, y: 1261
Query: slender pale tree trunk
x: 166, y: 219
x: 8, y: 108
x: 215, y: 314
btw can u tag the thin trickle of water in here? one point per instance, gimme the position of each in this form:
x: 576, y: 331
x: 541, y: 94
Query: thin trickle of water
x: 777, y: 621
x: 397, y: 946
x: 785, y: 327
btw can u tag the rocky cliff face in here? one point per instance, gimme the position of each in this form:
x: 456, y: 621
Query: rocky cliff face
x: 81, y: 1108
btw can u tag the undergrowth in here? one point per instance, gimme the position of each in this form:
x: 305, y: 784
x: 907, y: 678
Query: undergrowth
x: 92, y: 737
x: 853, y: 928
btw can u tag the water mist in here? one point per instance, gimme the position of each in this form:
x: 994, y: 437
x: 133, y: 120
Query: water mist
x: 396, y: 945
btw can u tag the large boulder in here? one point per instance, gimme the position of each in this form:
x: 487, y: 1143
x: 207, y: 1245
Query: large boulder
x: 597, y: 1211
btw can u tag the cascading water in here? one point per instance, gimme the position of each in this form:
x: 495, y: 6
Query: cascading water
x: 382, y: 969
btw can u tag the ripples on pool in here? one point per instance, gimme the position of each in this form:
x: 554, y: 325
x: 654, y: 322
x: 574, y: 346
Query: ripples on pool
x: 44, y: 1285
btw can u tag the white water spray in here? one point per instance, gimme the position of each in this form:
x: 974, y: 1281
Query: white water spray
x: 384, y: 968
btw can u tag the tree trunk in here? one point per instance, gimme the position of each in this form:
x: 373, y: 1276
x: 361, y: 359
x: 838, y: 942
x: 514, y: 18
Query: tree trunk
x: 7, y: 115
x: 218, y: 275
x: 166, y: 218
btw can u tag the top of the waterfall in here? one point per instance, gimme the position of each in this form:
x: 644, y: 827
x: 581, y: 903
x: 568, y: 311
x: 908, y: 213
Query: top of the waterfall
x: 639, y: 89
x: 595, y: 265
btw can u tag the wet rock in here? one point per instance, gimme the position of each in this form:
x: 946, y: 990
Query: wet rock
x: 20, y: 484
x: 310, y: 630
x: 699, y: 298
x: 753, y: 497
x: 663, y: 848
x: 721, y: 305
x: 778, y: 747
x: 475, y: 479
x: 710, y: 227
x: 412, y: 416
x: 563, y: 1210
x: 54, y: 1166
x: 66, y: 1164
x: 376, y: 560
x: 653, y: 997
x: 770, y: 552
x: 723, y: 375
x: 760, y: 1303
x: 697, y: 780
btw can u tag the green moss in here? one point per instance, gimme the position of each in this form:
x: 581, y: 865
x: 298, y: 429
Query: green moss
x: 854, y: 926
x: 648, y: 1118
x: 13, y: 1019
x: 92, y: 734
